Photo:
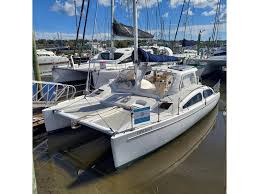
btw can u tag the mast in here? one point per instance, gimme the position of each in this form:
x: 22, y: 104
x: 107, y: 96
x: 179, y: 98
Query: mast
x: 179, y: 21
x: 78, y: 27
x: 135, y: 30
x: 112, y: 35
x: 82, y: 43
x: 135, y: 23
x: 169, y: 31
x: 216, y: 23
x: 186, y: 19
x: 75, y: 12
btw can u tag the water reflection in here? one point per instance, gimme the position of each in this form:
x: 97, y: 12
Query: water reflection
x: 57, y: 163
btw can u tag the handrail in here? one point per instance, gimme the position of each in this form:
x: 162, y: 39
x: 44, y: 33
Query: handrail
x: 50, y: 92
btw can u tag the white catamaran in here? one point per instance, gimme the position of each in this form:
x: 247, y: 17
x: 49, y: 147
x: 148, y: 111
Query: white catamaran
x: 142, y: 109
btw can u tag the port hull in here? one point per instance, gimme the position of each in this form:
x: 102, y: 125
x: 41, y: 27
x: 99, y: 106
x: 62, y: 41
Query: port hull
x: 63, y: 75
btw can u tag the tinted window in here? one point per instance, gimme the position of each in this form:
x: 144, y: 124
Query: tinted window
x: 165, y: 105
x: 117, y: 55
x: 105, y: 56
x: 220, y: 54
x: 127, y: 60
x: 193, y: 100
x: 207, y: 93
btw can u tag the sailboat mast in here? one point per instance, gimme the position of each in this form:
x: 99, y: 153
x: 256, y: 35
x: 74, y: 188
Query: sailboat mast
x: 75, y: 12
x: 179, y: 21
x: 135, y: 23
x: 112, y: 35
x: 186, y: 18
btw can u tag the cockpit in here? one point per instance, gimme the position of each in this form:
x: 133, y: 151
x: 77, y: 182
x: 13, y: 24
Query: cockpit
x: 154, y: 82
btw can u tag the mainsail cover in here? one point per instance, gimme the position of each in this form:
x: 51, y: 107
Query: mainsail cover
x: 144, y: 56
x: 123, y: 30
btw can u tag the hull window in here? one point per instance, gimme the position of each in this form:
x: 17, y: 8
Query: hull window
x: 195, y: 99
x: 207, y: 93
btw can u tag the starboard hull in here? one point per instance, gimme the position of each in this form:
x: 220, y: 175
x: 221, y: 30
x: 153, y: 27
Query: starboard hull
x: 130, y: 146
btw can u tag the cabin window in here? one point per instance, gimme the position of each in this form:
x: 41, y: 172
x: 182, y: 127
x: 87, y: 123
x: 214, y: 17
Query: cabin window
x: 220, y: 54
x: 188, y: 80
x: 195, y: 99
x: 105, y: 56
x: 165, y: 105
x: 117, y: 55
x: 207, y: 93
x: 127, y: 60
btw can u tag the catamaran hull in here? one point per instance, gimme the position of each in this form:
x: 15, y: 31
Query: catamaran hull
x: 130, y: 146
x: 54, y: 121
x: 63, y: 75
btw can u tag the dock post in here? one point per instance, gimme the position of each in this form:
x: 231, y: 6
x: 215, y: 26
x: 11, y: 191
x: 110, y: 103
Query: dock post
x: 36, y: 68
x: 34, y: 181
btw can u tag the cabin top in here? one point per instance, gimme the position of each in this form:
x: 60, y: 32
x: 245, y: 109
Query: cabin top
x: 157, y: 81
x: 177, y: 69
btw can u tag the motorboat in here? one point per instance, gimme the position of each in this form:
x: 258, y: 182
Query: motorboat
x: 47, y: 60
x: 216, y: 60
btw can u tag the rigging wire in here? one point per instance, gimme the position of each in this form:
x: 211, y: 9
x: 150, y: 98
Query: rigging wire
x: 161, y: 19
x: 75, y: 13
x: 179, y: 21
x: 186, y: 18
x: 147, y: 27
x: 169, y: 38
x: 106, y: 122
x: 78, y: 27
x: 218, y: 22
x: 92, y: 49
x: 86, y: 17
x: 215, y: 26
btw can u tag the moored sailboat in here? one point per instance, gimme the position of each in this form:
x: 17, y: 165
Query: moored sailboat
x: 142, y: 109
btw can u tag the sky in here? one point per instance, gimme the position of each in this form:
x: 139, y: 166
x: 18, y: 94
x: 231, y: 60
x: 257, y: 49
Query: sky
x: 53, y: 19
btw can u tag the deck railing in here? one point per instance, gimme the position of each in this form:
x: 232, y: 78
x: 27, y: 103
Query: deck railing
x: 49, y: 93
